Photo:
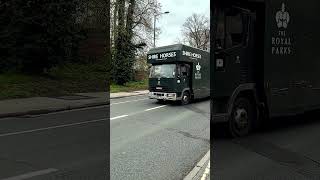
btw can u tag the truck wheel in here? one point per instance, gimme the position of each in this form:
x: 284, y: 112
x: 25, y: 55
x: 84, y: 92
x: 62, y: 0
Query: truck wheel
x: 185, y: 98
x: 242, y: 117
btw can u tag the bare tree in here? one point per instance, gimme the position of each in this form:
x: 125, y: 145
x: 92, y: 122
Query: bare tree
x: 196, y: 31
x: 139, y: 15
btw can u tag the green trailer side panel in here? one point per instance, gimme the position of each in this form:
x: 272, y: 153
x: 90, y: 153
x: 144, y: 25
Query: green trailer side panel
x: 292, y: 59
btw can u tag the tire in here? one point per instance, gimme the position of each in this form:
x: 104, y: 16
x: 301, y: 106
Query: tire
x: 242, y: 117
x: 185, y: 98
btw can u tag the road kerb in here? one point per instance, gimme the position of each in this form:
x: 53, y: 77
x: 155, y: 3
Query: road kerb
x: 52, y: 110
x: 206, y: 174
x: 200, y: 165
x: 131, y: 95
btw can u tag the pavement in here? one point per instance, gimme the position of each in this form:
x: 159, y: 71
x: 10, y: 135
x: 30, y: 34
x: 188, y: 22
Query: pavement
x: 287, y: 149
x: 149, y: 140
x: 42, y: 105
x: 128, y: 94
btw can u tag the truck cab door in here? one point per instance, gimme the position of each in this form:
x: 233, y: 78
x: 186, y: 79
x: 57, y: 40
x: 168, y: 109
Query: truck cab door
x: 184, y: 76
x: 232, y: 50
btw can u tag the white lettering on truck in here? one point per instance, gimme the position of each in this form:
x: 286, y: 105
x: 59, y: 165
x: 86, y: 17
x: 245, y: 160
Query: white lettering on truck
x: 168, y: 55
x: 281, y: 42
x: 192, y: 55
x: 162, y: 56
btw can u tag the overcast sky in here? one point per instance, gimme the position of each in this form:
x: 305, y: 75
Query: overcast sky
x: 170, y: 24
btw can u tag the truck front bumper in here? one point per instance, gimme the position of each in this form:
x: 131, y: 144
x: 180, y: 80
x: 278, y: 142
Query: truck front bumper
x: 164, y: 96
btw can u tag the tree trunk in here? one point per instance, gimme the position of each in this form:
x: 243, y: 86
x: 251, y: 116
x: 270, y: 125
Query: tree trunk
x: 129, y: 25
x: 121, y: 16
x: 115, y: 18
x: 108, y: 50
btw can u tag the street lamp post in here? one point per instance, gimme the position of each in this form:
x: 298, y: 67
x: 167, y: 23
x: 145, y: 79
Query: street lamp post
x: 154, y: 26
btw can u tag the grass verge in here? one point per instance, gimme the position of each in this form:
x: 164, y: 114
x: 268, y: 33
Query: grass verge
x: 130, y: 86
x: 64, y: 80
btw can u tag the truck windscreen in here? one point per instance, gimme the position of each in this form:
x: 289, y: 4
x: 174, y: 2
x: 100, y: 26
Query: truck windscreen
x: 229, y: 28
x: 163, y: 71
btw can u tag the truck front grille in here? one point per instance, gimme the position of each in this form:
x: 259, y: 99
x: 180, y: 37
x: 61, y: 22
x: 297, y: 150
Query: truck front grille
x: 154, y: 89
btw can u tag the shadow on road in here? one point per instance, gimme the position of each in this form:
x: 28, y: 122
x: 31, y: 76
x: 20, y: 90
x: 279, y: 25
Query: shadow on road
x: 278, y: 124
x: 289, y: 122
x: 177, y: 103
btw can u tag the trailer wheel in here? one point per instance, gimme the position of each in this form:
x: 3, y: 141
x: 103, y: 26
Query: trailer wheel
x: 185, y: 98
x: 242, y: 117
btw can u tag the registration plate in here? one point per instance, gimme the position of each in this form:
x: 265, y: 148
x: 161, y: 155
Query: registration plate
x: 159, y: 88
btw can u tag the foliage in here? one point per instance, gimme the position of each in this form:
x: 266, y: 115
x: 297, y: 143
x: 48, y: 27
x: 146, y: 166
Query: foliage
x: 129, y: 86
x: 61, y: 80
x: 36, y: 36
x: 122, y: 67
x: 140, y: 63
x: 132, y: 23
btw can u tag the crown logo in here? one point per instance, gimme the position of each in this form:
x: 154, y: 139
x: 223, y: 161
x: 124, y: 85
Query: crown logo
x: 282, y: 17
x: 198, y: 67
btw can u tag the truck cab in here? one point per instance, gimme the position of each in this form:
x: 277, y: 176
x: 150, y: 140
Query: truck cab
x: 175, y: 74
x: 237, y: 64
x: 167, y: 81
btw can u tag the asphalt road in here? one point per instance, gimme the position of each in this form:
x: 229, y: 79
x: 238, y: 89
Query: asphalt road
x: 66, y: 145
x: 156, y: 141
x: 288, y: 148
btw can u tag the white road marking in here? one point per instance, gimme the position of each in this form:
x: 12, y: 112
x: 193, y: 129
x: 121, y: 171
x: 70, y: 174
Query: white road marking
x: 123, y: 116
x: 155, y: 108
x: 32, y: 174
x: 52, y: 127
x: 128, y: 101
x: 118, y: 117
x: 206, y: 172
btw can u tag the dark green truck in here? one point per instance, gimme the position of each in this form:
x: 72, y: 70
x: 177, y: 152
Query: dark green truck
x: 178, y: 73
x: 265, y: 61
